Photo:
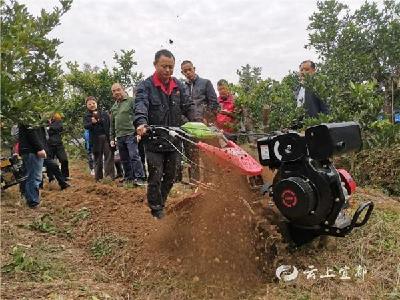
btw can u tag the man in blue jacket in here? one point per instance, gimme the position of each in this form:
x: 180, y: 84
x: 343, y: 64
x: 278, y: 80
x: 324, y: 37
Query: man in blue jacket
x: 161, y: 100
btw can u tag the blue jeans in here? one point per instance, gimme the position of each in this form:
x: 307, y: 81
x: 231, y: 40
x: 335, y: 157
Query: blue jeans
x: 130, y: 158
x: 30, y: 187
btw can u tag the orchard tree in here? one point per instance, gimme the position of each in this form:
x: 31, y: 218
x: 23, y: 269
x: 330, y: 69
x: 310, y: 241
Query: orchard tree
x: 95, y: 81
x: 249, y: 77
x: 360, y: 46
x: 123, y: 71
x: 265, y: 104
x: 31, y: 81
x: 81, y: 82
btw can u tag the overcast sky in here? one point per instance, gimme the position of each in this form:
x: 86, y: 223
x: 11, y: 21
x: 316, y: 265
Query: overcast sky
x: 218, y: 36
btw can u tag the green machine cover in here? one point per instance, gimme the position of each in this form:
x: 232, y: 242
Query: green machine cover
x: 199, y: 130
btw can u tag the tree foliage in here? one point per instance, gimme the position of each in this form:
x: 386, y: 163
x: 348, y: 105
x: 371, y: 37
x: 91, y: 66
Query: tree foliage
x: 123, y: 72
x: 249, y: 77
x: 31, y: 82
x: 358, y: 73
x: 81, y: 82
x: 360, y: 46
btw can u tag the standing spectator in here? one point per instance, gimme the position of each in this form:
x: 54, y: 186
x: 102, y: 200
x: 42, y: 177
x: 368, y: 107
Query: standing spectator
x: 161, y: 100
x: 32, y: 142
x: 204, y: 97
x: 226, y: 116
x: 122, y: 116
x: 55, y: 144
x: 98, y: 123
x: 201, y: 91
x: 53, y: 171
x: 307, y: 99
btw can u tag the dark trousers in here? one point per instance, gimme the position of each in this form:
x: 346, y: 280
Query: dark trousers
x: 118, y: 168
x: 130, y: 158
x: 30, y: 187
x: 90, y: 160
x: 101, y: 147
x: 162, y: 167
x: 142, y: 154
x: 58, y: 152
x: 193, y: 154
x: 53, y: 170
x: 179, y: 163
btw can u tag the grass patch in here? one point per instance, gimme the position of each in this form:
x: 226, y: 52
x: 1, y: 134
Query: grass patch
x: 44, y: 224
x: 375, y: 246
x: 35, y: 267
x: 106, y: 245
x: 82, y: 214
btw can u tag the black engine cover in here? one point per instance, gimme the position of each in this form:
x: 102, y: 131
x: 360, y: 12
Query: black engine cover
x: 326, y: 140
x: 294, y: 197
x: 308, y: 192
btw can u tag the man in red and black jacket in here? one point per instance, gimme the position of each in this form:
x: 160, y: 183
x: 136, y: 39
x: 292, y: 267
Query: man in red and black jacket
x: 161, y: 100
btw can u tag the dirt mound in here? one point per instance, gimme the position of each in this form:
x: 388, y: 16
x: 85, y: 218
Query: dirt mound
x: 219, y: 235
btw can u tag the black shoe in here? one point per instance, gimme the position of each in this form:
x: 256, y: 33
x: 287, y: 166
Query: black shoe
x: 65, y: 186
x: 158, y: 213
x: 33, y: 204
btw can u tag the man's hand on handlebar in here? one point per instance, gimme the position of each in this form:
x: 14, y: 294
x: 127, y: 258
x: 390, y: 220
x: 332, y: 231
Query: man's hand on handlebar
x: 141, y: 130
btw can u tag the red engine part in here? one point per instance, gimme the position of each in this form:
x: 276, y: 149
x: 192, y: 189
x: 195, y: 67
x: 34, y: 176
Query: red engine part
x: 235, y: 156
x: 349, y: 182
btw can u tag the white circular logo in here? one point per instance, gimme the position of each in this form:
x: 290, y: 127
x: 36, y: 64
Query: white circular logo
x: 286, y: 273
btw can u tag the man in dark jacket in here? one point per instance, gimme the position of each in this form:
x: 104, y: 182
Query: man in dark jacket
x: 161, y: 100
x: 201, y: 91
x: 205, y: 100
x: 98, y: 124
x: 32, y: 143
x: 307, y: 99
x: 56, y: 147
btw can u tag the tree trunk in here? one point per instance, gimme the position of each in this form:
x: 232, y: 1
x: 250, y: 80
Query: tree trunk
x: 266, y: 112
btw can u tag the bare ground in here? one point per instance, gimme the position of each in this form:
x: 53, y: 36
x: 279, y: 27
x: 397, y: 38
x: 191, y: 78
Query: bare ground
x: 98, y: 241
